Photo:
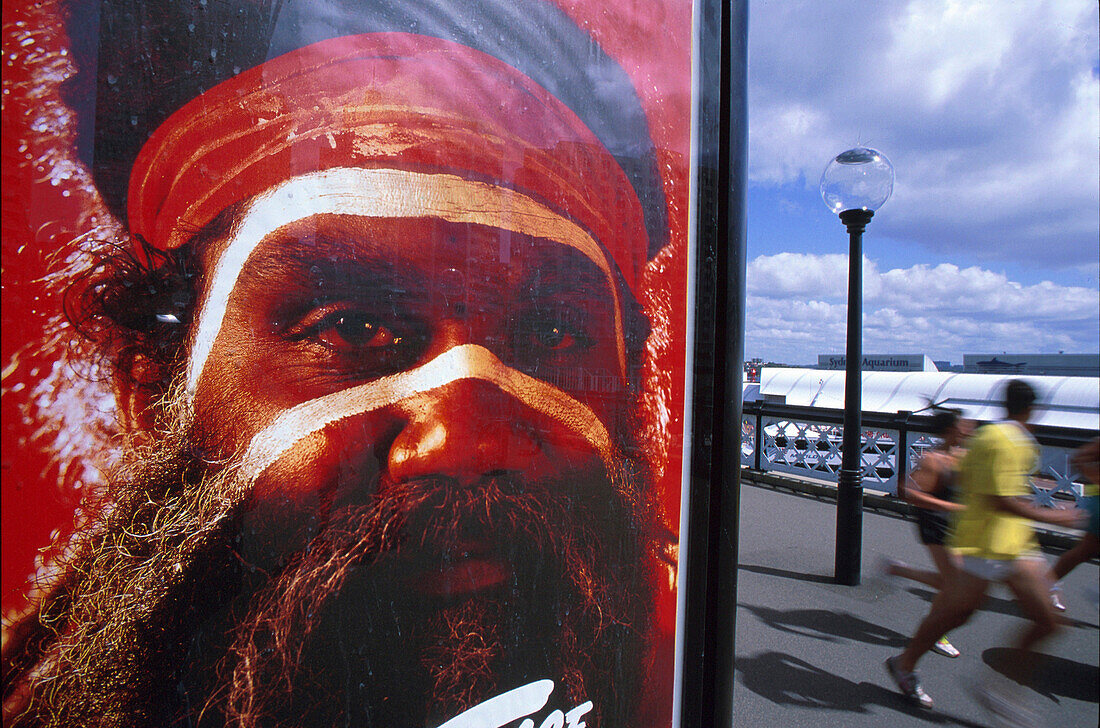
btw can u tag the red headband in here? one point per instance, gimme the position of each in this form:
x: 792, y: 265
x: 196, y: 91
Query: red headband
x: 385, y: 100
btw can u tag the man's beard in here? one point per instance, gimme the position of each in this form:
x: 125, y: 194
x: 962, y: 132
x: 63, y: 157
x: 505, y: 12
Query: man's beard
x: 169, y: 621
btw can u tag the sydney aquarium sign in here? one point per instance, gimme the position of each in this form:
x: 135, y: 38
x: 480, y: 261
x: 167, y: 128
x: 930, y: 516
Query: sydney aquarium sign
x: 880, y: 362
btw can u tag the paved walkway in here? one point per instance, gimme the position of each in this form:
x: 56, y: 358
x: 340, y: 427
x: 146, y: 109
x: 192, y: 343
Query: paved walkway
x: 810, y: 652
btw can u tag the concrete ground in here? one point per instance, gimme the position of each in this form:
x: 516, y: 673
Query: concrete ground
x: 811, y: 652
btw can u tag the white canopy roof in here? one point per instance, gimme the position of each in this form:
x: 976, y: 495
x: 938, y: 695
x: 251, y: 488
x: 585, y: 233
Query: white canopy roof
x: 1063, y: 401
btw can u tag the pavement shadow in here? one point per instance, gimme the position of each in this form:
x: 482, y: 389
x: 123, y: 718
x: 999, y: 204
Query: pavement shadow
x: 1003, y: 606
x: 1055, y: 677
x: 786, y: 574
x: 828, y: 625
x: 788, y: 681
x: 995, y: 604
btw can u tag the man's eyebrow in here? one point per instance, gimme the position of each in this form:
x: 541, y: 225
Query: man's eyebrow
x: 594, y: 288
x: 574, y: 272
x: 318, y: 254
x: 293, y: 248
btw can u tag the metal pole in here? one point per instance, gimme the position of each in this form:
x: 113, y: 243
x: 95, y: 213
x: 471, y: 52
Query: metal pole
x: 733, y: 148
x: 758, y: 440
x: 849, y: 500
x: 901, y: 472
x: 710, y: 561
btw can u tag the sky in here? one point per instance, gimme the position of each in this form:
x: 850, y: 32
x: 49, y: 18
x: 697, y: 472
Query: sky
x: 990, y: 114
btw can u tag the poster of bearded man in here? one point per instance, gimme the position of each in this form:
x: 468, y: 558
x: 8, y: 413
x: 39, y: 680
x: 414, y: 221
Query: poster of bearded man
x: 348, y: 362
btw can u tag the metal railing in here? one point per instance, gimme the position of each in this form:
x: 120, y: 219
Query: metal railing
x: 806, y: 441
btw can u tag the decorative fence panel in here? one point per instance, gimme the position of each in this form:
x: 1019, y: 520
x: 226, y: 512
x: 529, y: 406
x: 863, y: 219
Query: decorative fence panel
x: 806, y: 442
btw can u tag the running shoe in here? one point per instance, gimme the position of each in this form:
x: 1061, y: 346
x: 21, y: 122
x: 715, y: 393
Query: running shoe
x: 908, y: 683
x: 945, y: 648
x: 1056, y: 600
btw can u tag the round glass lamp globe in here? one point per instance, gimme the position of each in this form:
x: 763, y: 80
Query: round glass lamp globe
x: 858, y: 179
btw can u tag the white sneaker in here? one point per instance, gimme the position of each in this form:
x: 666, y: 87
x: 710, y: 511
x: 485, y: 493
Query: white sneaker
x: 909, y: 684
x: 945, y: 648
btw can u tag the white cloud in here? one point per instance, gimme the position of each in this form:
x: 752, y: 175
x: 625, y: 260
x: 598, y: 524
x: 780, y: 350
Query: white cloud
x: 800, y: 274
x: 990, y: 112
x: 796, y: 309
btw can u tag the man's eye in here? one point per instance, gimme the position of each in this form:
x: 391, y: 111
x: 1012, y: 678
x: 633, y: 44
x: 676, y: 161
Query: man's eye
x: 354, y: 330
x: 557, y: 336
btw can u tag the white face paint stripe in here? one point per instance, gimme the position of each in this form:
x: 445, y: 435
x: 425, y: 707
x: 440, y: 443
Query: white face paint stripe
x: 384, y: 193
x: 467, y: 361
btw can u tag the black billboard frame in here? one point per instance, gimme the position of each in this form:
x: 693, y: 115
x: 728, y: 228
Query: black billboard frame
x: 707, y: 671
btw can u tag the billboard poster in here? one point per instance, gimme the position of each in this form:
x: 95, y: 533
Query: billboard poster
x: 347, y: 358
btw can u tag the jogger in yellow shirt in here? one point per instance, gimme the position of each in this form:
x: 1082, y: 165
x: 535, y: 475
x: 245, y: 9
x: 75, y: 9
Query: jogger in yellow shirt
x: 995, y: 537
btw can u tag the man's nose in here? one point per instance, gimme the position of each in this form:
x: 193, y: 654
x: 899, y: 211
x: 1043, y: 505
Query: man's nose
x: 461, y: 325
x: 466, y: 430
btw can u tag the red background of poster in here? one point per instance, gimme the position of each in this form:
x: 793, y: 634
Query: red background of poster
x: 47, y: 201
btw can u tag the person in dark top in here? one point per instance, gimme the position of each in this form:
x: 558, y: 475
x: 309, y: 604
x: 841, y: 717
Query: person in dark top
x: 1086, y: 459
x: 932, y: 490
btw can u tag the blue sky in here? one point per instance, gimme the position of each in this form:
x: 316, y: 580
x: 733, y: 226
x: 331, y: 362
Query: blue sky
x: 990, y: 113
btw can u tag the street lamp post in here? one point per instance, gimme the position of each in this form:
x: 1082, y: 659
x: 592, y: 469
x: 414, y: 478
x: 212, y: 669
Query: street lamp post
x: 855, y: 184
